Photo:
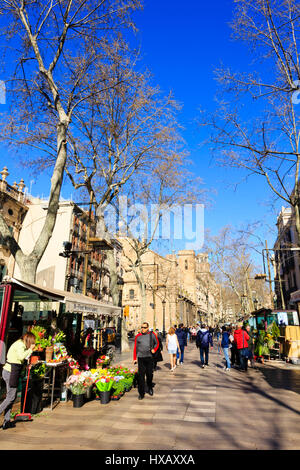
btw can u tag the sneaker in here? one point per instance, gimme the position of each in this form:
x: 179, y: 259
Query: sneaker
x: 141, y: 397
x: 8, y: 425
x: 181, y: 363
x: 203, y: 366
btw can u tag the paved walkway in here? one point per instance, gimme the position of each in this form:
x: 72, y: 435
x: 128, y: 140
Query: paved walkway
x: 192, y: 408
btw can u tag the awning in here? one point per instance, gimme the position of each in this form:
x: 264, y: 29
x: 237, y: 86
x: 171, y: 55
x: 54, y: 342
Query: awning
x: 78, y: 303
x: 75, y: 303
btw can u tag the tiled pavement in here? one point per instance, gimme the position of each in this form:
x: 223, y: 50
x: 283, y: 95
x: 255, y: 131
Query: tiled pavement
x: 192, y: 408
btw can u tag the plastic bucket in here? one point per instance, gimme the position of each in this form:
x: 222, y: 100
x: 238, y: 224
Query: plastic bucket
x: 78, y: 400
x: 104, y: 397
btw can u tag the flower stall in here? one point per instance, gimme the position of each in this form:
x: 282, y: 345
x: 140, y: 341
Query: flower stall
x: 104, y: 384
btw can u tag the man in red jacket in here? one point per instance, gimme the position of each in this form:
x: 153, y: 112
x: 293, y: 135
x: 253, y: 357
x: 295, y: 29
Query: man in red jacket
x: 241, y: 338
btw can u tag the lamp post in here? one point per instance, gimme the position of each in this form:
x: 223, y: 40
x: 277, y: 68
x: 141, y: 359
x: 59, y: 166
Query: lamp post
x: 164, y: 317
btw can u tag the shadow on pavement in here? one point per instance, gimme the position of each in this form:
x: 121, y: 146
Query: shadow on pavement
x: 280, y: 378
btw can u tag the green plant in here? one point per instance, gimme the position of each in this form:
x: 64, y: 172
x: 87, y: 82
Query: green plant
x: 39, y: 370
x: 60, y: 337
x: 46, y: 342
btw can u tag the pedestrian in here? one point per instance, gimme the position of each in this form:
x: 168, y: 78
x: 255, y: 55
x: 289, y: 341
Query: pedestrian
x: 193, y: 333
x: 188, y: 334
x: 145, y: 345
x: 157, y: 357
x: 225, y: 344
x: 251, y: 342
x: 172, y: 346
x: 182, y: 341
x: 203, y: 340
x: 241, y: 338
x: 19, y: 351
x: 234, y: 359
x: 219, y: 338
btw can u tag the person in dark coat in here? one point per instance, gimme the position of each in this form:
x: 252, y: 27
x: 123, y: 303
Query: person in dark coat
x: 145, y: 346
x: 182, y: 340
x: 203, y: 340
x: 157, y: 357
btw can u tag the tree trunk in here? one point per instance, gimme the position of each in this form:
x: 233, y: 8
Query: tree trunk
x: 115, y: 297
x: 28, y: 269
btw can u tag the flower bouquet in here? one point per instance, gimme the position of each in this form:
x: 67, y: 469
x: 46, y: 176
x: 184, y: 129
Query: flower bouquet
x: 102, y: 361
x: 78, y: 384
x: 118, y: 387
x: 104, y: 385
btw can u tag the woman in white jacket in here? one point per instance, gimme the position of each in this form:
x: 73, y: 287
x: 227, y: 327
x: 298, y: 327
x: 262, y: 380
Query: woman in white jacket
x: 172, y: 346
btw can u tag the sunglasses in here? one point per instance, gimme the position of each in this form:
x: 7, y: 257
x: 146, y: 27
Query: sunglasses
x: 144, y: 327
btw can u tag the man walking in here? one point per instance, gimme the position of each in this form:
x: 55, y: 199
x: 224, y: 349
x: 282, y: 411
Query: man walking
x: 182, y: 340
x: 145, y: 344
x: 203, y: 340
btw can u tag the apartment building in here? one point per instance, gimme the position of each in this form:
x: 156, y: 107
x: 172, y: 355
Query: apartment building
x: 13, y: 207
x: 286, y: 261
x: 73, y: 261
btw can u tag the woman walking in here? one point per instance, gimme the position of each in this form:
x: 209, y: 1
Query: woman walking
x: 225, y: 345
x: 17, y: 353
x: 172, y: 347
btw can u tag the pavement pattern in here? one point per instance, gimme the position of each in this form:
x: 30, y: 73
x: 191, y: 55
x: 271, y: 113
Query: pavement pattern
x: 191, y: 409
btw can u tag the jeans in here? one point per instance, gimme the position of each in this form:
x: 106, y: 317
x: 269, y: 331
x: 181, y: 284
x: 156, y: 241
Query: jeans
x: 145, y: 367
x: 181, y: 353
x: 11, y: 393
x: 226, y: 355
x: 204, y: 352
x: 243, y: 354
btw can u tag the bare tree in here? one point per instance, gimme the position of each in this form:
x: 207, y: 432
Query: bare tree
x: 230, y: 257
x: 168, y: 186
x: 256, y: 127
x: 56, y: 45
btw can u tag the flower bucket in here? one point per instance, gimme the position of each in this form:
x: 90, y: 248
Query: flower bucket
x: 49, y: 353
x: 34, y: 359
x: 104, y: 397
x: 78, y: 400
x: 89, y: 393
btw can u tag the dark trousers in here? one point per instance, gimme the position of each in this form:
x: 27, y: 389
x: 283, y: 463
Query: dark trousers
x: 181, y: 353
x: 235, y: 359
x: 204, y: 352
x: 145, y: 368
x: 243, y: 358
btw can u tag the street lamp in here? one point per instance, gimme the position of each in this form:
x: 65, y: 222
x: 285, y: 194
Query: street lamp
x: 164, y: 317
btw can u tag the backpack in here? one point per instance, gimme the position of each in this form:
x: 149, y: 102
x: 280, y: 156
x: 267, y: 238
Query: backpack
x: 203, y: 338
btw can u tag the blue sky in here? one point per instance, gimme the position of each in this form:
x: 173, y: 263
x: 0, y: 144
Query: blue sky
x: 182, y: 43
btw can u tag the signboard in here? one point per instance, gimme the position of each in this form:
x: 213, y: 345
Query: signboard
x: 126, y: 311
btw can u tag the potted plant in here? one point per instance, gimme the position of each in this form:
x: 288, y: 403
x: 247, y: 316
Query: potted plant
x: 77, y: 384
x: 34, y: 397
x: 104, y: 385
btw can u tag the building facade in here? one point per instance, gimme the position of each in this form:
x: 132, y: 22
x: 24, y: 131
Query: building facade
x: 286, y: 261
x: 13, y: 207
x: 73, y: 260
x: 176, y: 289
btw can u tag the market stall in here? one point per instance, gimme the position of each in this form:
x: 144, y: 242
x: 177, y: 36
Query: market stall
x: 277, y: 333
x: 61, y: 322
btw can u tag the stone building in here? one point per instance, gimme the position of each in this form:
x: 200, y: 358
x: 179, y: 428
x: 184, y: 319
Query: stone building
x: 286, y: 260
x: 69, y: 263
x: 13, y: 207
x: 175, y: 289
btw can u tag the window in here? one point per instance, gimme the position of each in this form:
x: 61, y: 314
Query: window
x: 186, y: 264
x: 131, y: 293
